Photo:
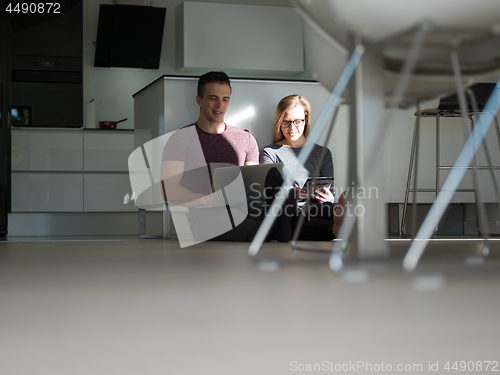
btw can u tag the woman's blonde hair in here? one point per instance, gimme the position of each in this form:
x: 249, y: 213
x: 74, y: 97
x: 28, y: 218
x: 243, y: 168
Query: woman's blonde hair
x: 288, y: 102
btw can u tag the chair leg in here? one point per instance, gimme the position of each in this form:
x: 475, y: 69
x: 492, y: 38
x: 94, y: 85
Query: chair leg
x: 142, y: 222
x: 166, y: 222
x: 300, y: 221
x: 332, y: 102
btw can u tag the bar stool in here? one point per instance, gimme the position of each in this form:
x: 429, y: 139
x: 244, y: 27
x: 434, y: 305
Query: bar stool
x: 448, y: 107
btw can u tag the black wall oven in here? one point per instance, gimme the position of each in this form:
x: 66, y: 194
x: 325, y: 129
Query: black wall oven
x: 46, y: 66
x: 47, y: 92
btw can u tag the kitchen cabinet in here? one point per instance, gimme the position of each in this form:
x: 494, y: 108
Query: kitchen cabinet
x: 273, y: 39
x: 47, y: 192
x: 107, y: 150
x: 43, y: 150
x: 71, y: 170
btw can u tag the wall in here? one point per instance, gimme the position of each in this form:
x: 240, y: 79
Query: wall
x: 4, y: 130
x: 112, y: 88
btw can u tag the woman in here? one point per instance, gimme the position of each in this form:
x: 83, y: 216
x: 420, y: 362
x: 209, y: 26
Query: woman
x: 291, y: 127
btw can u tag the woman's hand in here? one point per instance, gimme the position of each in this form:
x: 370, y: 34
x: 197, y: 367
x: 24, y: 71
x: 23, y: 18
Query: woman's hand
x: 300, y: 193
x: 323, y: 195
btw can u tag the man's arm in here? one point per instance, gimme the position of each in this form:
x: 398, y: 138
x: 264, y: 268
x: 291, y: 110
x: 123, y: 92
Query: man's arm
x: 253, y: 151
x: 171, y: 175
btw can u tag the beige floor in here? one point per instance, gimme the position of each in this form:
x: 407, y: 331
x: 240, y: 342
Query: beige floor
x: 128, y: 306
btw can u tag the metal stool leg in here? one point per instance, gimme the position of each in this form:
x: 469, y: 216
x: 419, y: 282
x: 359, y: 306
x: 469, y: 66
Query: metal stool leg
x: 438, y: 163
x: 414, y: 201
x: 408, y: 180
x: 476, y: 195
x: 493, y: 176
x: 485, y: 145
x: 462, y: 100
x: 496, y: 127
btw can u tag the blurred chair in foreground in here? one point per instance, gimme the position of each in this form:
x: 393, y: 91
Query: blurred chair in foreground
x: 413, y: 49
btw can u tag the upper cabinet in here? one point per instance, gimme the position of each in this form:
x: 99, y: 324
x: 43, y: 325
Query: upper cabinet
x: 238, y: 39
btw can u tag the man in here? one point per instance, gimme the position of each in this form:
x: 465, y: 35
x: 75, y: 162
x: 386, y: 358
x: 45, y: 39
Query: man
x: 193, y: 152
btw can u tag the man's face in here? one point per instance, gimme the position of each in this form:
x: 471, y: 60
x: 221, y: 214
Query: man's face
x: 213, y: 104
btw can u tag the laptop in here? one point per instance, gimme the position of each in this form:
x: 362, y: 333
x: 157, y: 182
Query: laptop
x: 240, y: 185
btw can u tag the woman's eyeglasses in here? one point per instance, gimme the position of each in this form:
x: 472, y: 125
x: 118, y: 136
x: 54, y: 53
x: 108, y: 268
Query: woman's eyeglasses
x: 287, y: 123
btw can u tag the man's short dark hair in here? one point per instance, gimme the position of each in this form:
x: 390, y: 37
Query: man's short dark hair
x: 218, y: 77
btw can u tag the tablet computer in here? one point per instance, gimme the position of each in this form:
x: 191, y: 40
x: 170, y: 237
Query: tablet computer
x: 318, y: 183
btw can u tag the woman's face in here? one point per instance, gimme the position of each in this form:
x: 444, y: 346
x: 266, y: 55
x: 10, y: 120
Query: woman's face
x: 293, y: 132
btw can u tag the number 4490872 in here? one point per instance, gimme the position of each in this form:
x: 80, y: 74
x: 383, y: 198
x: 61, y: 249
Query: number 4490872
x: 39, y: 8
x: 471, y: 366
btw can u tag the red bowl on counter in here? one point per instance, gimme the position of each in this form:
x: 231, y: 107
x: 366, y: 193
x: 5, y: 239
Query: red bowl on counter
x: 109, y: 124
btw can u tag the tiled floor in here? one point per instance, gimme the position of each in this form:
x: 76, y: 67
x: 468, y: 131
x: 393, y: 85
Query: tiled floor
x: 128, y: 306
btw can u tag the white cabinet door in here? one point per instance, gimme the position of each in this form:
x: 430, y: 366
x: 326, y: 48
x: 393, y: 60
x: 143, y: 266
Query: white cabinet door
x: 251, y: 39
x: 47, y: 150
x: 107, y: 150
x: 47, y: 192
x: 107, y: 192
